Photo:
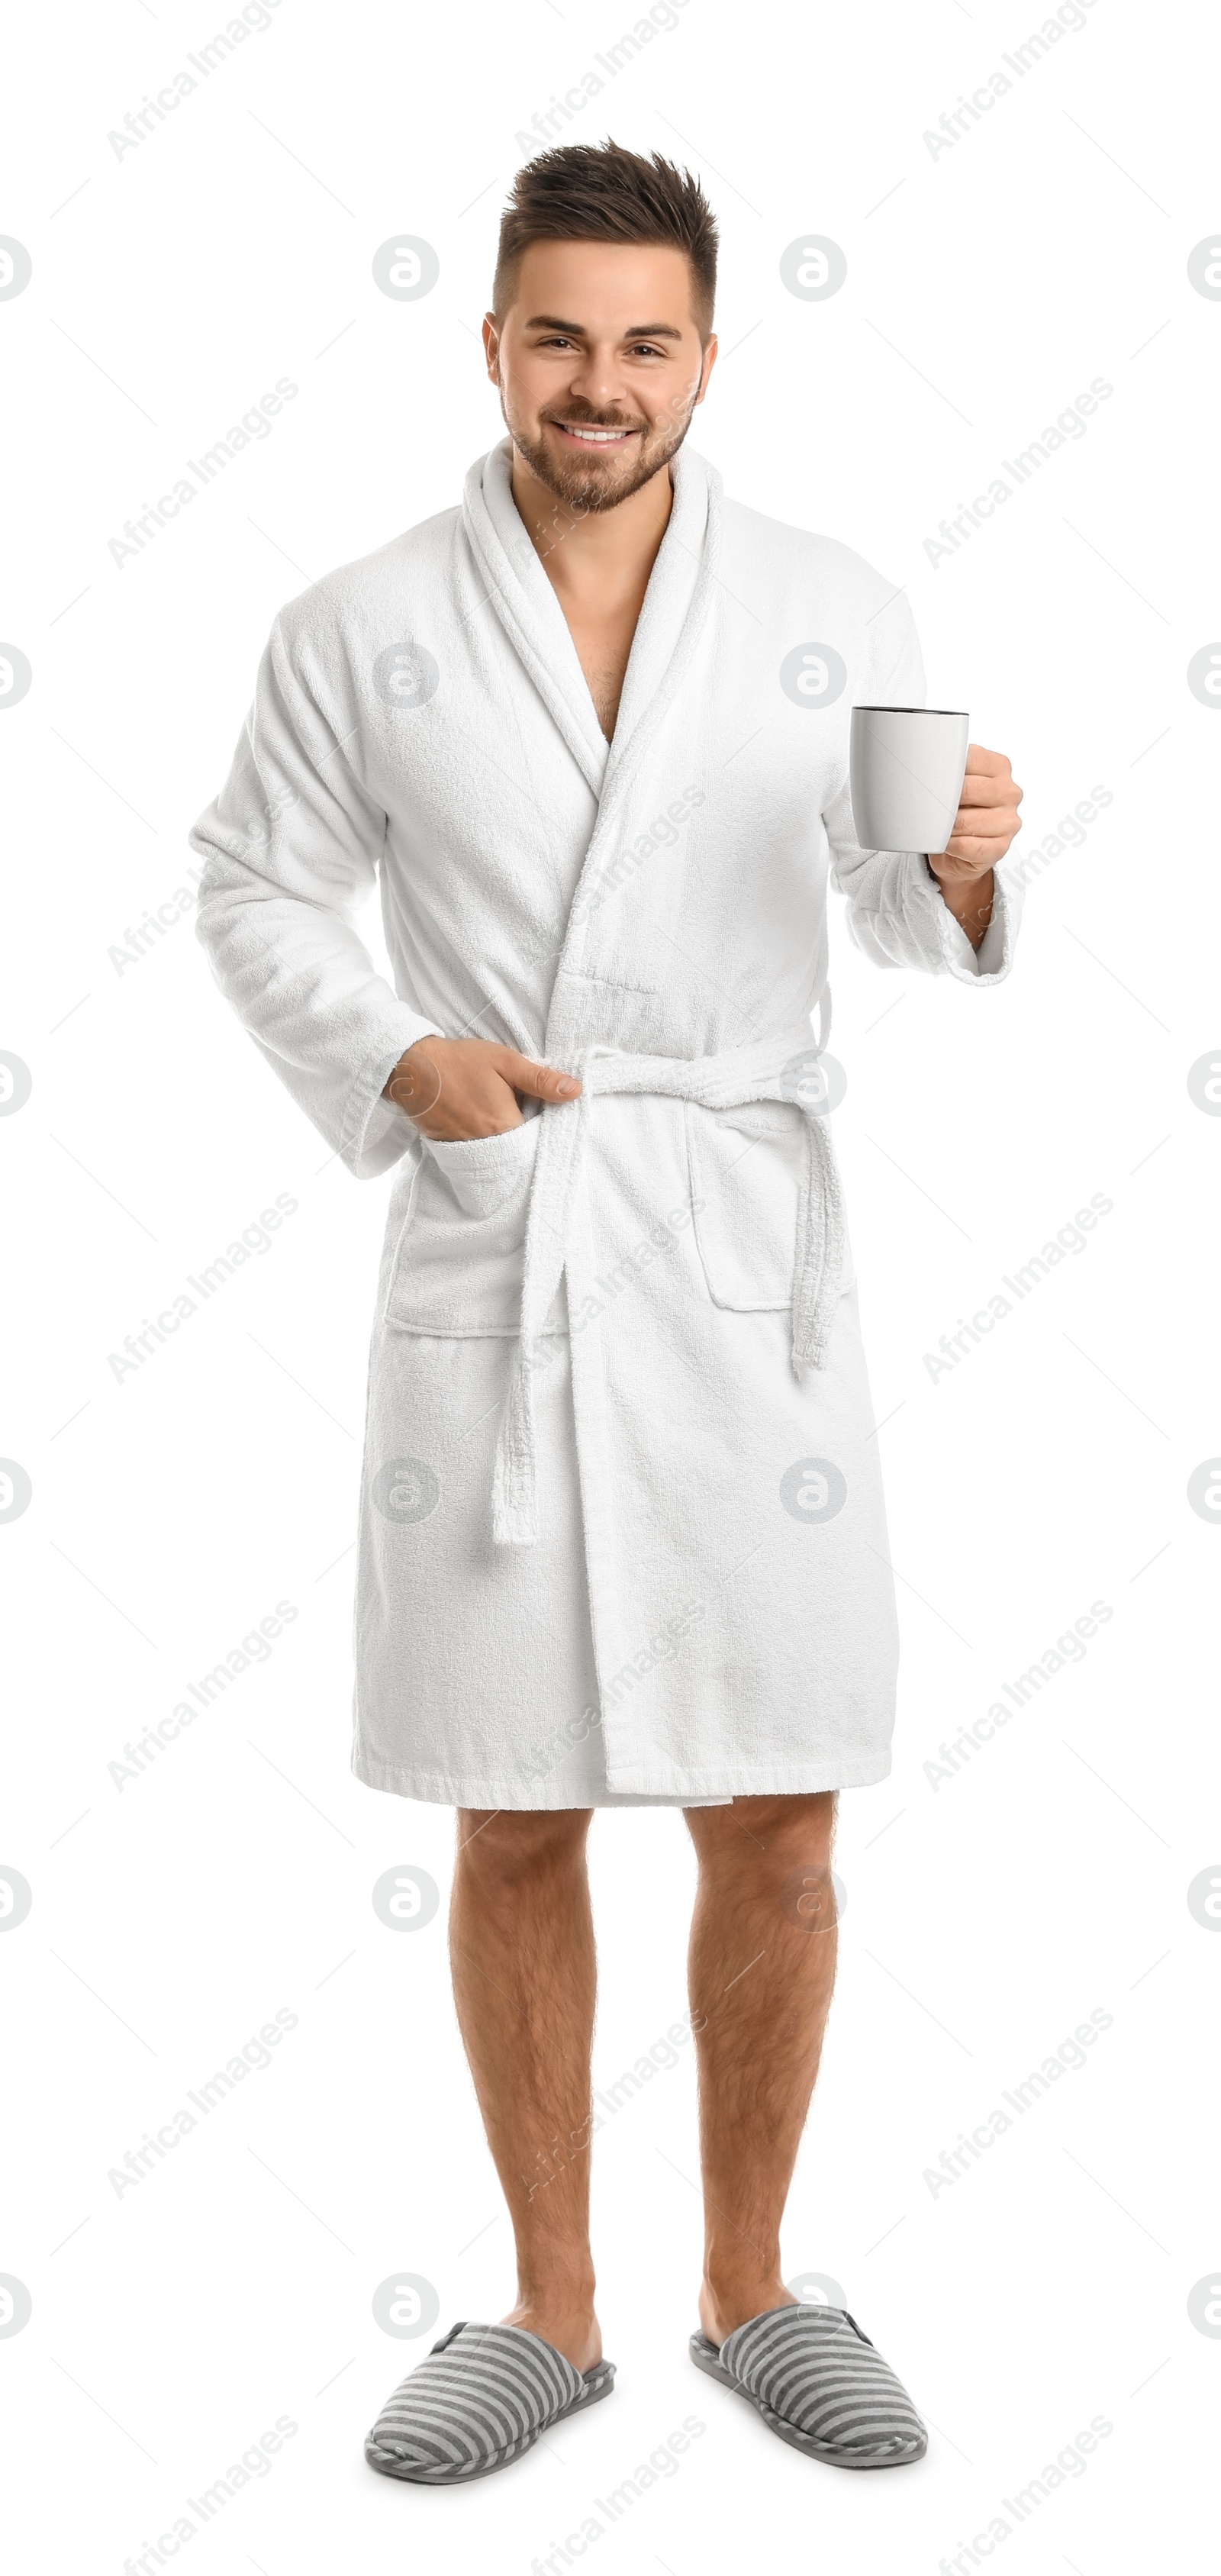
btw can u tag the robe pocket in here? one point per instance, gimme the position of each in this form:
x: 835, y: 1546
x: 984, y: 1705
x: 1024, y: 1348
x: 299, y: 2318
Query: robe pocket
x: 457, y: 1266
x: 746, y: 1167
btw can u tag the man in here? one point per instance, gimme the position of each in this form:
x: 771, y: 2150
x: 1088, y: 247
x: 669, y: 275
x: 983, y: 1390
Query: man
x: 622, y: 1537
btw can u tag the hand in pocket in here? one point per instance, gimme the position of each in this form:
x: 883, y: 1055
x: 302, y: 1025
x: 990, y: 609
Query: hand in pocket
x: 455, y: 1089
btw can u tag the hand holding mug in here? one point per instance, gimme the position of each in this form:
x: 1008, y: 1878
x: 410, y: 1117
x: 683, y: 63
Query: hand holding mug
x: 918, y: 784
x: 986, y: 822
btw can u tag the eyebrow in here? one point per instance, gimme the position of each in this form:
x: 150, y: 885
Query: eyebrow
x: 576, y: 330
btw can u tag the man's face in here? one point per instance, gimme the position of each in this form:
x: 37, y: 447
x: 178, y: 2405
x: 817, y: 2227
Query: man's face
x: 599, y: 365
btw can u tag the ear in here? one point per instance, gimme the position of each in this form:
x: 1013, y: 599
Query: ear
x: 491, y: 346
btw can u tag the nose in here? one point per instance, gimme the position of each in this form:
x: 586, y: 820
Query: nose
x: 595, y: 380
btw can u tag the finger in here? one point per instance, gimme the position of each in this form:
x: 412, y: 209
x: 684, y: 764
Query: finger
x: 540, y: 1080
x: 973, y: 858
x: 988, y: 822
x: 985, y: 788
x: 992, y: 764
x: 963, y: 849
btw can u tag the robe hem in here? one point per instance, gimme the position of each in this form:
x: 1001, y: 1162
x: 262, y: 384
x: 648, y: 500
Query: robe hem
x: 801, y: 1779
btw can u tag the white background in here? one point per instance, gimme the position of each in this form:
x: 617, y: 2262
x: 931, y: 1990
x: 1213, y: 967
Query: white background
x: 989, y: 1913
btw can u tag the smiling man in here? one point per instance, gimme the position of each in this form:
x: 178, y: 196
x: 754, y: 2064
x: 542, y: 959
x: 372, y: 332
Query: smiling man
x: 622, y: 1539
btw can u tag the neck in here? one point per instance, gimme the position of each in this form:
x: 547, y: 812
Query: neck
x: 602, y: 551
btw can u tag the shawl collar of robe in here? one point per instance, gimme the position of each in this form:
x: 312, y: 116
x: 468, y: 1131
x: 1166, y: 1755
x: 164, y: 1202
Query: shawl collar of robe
x: 667, y: 632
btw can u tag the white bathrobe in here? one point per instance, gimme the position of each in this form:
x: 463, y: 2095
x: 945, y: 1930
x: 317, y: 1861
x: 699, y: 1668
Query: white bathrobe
x: 622, y: 1535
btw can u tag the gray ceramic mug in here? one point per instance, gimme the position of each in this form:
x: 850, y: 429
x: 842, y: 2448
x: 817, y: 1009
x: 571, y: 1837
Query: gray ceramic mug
x: 906, y: 767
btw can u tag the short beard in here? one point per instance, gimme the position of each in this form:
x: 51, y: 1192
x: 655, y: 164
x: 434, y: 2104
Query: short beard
x: 581, y: 488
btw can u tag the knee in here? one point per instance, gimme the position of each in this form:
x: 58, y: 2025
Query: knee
x: 500, y: 1853
x: 781, y: 1862
x: 798, y: 1830
x: 766, y: 1836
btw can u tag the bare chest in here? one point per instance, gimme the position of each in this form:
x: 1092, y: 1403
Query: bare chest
x: 603, y: 642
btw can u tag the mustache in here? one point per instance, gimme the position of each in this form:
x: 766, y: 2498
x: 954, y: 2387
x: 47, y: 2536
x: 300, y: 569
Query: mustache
x: 589, y: 419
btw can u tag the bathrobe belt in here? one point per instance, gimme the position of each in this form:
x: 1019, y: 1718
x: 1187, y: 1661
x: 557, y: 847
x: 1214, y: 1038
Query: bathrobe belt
x: 779, y: 1068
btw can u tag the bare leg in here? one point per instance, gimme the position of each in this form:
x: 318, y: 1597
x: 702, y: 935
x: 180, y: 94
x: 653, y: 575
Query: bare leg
x: 522, y: 1953
x: 761, y: 1971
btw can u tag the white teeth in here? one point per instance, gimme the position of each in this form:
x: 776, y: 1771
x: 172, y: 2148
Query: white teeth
x: 594, y: 435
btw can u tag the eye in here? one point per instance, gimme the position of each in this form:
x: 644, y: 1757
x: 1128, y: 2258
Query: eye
x: 646, y: 349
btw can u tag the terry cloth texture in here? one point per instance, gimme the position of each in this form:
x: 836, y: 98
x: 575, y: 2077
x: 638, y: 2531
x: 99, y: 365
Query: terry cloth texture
x: 820, y: 2383
x: 622, y: 1535
x: 482, y: 2397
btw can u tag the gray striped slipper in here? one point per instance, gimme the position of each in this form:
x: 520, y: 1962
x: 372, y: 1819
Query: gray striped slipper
x: 483, y: 2396
x: 820, y: 2384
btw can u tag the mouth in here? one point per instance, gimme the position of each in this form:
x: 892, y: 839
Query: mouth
x: 604, y: 441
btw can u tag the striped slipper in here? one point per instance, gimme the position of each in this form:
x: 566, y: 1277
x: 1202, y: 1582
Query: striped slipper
x: 819, y: 2383
x: 483, y: 2396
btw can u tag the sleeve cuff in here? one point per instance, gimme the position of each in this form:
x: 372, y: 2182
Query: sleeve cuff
x: 376, y: 1132
x: 991, y: 961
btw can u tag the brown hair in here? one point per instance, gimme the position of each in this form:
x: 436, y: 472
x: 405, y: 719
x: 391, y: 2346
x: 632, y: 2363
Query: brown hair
x: 600, y: 192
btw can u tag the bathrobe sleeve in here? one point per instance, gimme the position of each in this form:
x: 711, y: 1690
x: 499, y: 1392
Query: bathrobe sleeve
x: 896, y: 912
x: 291, y: 848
